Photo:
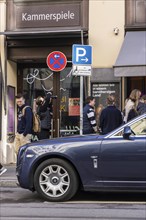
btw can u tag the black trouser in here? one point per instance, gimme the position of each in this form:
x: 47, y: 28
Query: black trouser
x: 44, y: 134
x: 1, y: 166
x: 91, y: 131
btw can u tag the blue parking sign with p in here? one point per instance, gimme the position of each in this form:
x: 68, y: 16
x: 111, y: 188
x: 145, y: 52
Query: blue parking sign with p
x: 82, y: 54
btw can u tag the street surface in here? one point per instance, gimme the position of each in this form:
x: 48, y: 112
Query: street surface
x: 17, y: 203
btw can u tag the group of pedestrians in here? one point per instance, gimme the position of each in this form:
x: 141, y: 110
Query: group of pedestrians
x: 105, y: 120
x: 130, y: 110
x: 135, y: 105
x: 25, y: 120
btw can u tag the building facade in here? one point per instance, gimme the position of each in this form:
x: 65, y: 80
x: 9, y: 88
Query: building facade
x: 30, y: 30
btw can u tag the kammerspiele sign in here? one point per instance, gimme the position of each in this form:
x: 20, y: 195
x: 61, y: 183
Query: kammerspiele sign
x: 47, y: 15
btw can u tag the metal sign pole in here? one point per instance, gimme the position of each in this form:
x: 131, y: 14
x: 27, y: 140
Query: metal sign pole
x: 81, y: 105
x: 81, y: 94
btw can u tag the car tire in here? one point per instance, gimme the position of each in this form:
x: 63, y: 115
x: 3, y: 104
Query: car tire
x: 56, y: 180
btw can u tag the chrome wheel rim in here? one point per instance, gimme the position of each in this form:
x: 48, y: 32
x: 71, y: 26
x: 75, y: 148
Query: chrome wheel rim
x: 54, y: 181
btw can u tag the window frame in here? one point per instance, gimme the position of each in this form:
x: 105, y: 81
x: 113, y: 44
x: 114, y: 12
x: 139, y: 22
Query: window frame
x: 130, y: 15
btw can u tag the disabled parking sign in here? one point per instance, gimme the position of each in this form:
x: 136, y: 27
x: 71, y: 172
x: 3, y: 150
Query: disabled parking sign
x: 56, y: 61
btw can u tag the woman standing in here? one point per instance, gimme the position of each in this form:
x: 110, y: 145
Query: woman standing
x: 131, y: 105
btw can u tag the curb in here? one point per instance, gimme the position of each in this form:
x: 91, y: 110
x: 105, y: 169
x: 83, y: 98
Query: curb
x: 9, y: 179
x: 8, y: 183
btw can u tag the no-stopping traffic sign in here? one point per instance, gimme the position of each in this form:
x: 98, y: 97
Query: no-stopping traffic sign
x: 56, y: 61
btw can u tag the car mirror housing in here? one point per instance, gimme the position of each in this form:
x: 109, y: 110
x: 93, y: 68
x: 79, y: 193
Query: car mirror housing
x: 127, y: 132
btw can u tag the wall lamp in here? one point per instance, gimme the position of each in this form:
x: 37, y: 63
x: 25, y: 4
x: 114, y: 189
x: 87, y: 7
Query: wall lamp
x: 116, y: 31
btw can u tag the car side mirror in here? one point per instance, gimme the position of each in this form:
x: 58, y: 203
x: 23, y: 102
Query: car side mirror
x: 127, y: 132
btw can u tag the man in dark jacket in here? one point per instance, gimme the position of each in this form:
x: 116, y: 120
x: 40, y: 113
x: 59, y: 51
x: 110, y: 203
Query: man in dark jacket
x: 89, y: 121
x: 24, y: 123
x: 141, y: 108
x: 44, y: 111
x: 110, y: 117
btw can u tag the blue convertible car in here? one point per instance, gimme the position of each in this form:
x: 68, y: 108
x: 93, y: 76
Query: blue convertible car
x: 57, y: 168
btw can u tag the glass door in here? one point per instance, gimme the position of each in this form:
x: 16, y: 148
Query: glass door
x: 65, y: 89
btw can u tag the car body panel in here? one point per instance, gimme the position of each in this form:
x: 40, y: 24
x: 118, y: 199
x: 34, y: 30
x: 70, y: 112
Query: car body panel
x: 124, y: 164
x: 71, y: 149
x: 108, y: 162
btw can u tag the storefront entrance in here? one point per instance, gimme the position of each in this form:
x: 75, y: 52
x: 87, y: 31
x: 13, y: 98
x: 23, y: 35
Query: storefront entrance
x: 36, y: 80
x: 136, y: 83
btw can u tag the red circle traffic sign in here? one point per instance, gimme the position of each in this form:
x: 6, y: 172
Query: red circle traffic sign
x: 56, y: 61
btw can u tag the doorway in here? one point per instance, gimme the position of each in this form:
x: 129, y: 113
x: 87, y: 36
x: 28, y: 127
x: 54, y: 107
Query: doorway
x: 38, y: 80
x: 136, y: 83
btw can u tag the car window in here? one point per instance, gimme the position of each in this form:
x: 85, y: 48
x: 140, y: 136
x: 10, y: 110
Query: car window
x: 139, y: 128
x: 119, y: 133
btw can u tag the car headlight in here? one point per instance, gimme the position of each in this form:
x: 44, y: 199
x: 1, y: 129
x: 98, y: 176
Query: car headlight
x: 41, y: 149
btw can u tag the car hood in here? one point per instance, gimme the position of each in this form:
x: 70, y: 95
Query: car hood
x: 62, y: 143
x: 70, y: 139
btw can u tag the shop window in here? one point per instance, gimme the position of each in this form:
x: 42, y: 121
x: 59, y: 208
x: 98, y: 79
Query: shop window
x: 69, y: 106
x: 10, y: 114
x: 135, y: 13
x: 140, y: 13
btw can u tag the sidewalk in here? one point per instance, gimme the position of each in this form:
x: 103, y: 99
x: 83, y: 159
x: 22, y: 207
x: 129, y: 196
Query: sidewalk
x: 9, y: 179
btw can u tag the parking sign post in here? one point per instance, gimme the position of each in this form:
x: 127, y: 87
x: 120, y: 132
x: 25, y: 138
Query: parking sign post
x: 82, y: 60
x: 81, y: 104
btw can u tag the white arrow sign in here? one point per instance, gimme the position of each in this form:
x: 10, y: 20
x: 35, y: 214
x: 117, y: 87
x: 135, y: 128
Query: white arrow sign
x: 85, y: 59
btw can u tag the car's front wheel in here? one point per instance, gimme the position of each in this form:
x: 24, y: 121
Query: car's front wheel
x: 56, y: 180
